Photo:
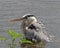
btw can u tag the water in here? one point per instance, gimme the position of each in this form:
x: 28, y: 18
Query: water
x: 48, y: 11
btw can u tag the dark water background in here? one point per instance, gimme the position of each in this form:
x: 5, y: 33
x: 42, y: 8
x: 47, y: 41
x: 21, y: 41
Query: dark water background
x: 47, y: 11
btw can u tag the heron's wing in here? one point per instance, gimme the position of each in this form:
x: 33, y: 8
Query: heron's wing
x: 35, y: 31
x: 30, y: 31
x: 39, y: 27
x: 42, y: 34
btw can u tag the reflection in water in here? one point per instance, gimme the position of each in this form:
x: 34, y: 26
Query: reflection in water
x: 34, y: 45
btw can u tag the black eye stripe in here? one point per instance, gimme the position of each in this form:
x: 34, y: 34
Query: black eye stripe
x: 29, y: 16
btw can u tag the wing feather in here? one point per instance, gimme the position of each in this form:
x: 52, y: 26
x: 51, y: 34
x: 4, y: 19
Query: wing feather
x: 35, y: 31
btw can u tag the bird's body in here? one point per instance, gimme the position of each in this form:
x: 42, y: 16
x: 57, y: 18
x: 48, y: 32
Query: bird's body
x: 34, y: 32
x: 32, y: 29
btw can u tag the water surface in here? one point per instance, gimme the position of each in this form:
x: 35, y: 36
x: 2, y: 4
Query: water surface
x: 47, y: 11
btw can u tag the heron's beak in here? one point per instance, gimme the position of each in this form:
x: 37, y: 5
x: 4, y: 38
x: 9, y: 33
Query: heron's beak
x: 14, y: 20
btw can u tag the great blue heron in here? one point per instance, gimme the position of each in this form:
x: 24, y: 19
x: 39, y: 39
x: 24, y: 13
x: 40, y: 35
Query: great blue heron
x: 33, y: 30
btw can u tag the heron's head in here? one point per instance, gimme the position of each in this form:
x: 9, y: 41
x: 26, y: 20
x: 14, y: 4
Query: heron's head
x: 27, y: 17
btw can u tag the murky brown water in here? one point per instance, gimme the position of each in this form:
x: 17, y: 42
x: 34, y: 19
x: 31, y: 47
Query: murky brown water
x: 48, y: 11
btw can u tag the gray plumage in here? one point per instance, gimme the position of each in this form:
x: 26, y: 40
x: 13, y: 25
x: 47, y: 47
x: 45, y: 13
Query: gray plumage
x: 37, y: 34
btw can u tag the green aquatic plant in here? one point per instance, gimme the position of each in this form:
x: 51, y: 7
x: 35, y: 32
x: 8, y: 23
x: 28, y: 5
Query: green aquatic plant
x: 25, y: 41
x: 14, y: 35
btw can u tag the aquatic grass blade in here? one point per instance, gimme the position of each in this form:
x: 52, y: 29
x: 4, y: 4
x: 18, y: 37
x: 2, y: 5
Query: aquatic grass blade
x: 24, y: 41
x: 13, y: 34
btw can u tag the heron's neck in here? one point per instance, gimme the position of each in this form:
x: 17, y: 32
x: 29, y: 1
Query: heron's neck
x: 34, y: 21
